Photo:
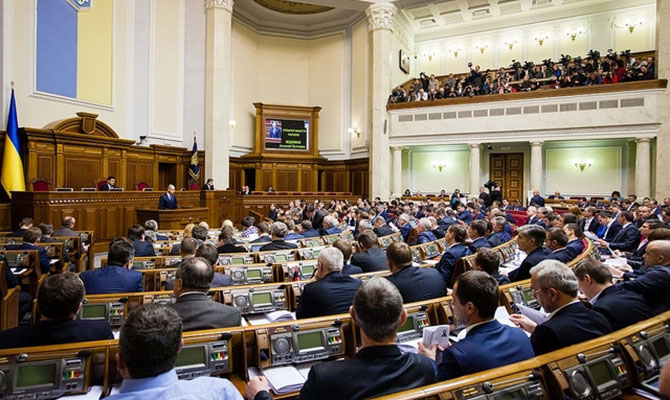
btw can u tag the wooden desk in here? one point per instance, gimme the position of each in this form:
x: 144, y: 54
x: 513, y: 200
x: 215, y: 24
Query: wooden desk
x: 173, y: 219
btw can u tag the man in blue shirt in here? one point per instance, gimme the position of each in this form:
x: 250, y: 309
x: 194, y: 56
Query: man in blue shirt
x: 487, y: 343
x: 148, y: 347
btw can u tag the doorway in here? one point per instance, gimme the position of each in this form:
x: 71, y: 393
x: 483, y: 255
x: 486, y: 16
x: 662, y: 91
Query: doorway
x: 507, y: 171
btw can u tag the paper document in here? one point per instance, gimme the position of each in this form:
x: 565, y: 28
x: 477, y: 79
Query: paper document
x: 410, y: 346
x: 284, y: 380
x: 591, y: 235
x: 436, y: 334
x: 502, y: 316
x: 537, y: 316
x: 17, y: 271
x: 94, y: 393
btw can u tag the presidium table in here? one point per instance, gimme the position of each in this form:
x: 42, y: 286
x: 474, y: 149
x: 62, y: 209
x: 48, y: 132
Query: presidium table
x: 110, y: 214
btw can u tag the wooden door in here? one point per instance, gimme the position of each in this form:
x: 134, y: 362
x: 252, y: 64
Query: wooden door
x: 507, y: 171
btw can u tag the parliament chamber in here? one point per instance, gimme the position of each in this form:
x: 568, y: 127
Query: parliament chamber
x: 335, y: 199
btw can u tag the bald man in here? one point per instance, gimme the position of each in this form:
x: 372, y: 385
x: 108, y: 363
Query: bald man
x: 168, y: 201
x: 654, y: 284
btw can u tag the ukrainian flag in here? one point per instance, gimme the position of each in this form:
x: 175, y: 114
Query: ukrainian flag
x: 12, y: 168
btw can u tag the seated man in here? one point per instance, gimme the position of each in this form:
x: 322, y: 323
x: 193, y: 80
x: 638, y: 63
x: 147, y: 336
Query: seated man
x: 117, y: 276
x: 628, y: 237
x: 379, y: 367
x: 26, y: 223
x: 248, y: 228
x: 109, y: 185
x: 192, y: 282
x: 67, y: 229
x: 463, y: 214
x: 621, y: 307
x: 477, y: 233
x: 531, y: 241
x: 489, y: 261
x: 575, y: 234
x: 31, y: 237
x: 291, y: 235
x: 152, y: 225
x: 380, y: 227
x: 404, y: 226
x: 263, y: 233
x: 306, y: 229
x: 555, y: 288
x: 59, y: 300
x: 557, y: 239
x: 168, y: 201
x: 654, y: 283
x: 435, y: 228
x: 424, y: 228
x: 345, y: 247
x: 226, y: 244
x: 151, y: 338
x: 330, y: 226
x: 209, y: 253
x: 279, y: 231
x: 414, y: 283
x: 455, y: 237
x: 332, y: 293
x: 142, y: 248
x: 371, y: 257
x: 487, y: 343
x: 25, y: 299
x: 499, y: 235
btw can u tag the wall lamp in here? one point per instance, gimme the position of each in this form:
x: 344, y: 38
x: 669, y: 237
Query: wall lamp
x: 354, y: 131
x: 510, y: 44
x: 541, y: 38
x: 574, y: 32
x: 439, y: 165
x: 582, y: 164
x: 232, y: 123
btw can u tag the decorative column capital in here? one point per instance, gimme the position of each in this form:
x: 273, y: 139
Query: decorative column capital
x: 380, y: 16
x: 536, y: 144
x: 643, y: 140
x: 475, y: 146
x: 225, y: 4
x: 396, y: 148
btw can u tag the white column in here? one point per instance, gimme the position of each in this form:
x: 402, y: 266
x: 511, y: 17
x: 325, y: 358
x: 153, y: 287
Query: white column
x: 396, y: 181
x: 380, y: 29
x: 475, y: 172
x: 218, y: 98
x: 662, y: 183
x: 536, y: 166
x: 643, y: 167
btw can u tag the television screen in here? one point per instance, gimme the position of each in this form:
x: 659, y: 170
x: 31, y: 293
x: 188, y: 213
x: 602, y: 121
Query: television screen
x: 286, y: 134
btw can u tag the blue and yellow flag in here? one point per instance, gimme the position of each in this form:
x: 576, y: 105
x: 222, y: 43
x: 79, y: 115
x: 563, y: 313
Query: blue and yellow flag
x: 12, y: 168
x: 194, y: 168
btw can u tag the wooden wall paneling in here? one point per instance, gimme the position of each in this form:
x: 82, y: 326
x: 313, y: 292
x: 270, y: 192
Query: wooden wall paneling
x: 306, y: 181
x: 265, y: 178
x: 45, y: 169
x: 81, y: 172
x: 6, y: 217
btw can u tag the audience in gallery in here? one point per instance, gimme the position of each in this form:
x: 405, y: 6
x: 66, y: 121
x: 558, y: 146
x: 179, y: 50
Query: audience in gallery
x: 591, y: 70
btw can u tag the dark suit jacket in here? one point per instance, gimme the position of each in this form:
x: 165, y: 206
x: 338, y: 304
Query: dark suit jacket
x: 438, y: 232
x: 654, y: 285
x: 537, y: 255
x: 383, y: 230
x: 331, y: 295
x: 143, y: 249
x: 592, y: 226
x: 111, y: 279
x: 448, y: 261
x: 479, y: 243
x: 486, y: 346
x: 576, y: 247
x: 208, y: 187
x: 502, y: 279
x: 563, y: 255
x: 373, y: 259
x: 230, y: 248
x: 373, y: 371
x: 572, y: 324
x: 17, y: 233
x: 310, y: 233
x: 416, y: 284
x: 198, y: 312
x: 333, y: 230
x: 350, y: 269
x: 614, y: 230
x: 498, y: 238
x: 446, y: 222
x: 167, y: 204
x: 55, y: 332
x: 317, y: 219
x: 425, y: 237
x: 265, y: 238
x: 537, y: 200
x: 106, y: 187
x: 622, y: 307
x: 627, y: 239
x: 279, y: 244
x: 41, y: 252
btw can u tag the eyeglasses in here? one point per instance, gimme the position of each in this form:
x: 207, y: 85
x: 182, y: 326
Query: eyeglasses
x: 534, y: 291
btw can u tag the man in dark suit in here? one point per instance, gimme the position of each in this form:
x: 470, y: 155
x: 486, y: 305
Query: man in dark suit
x: 117, y: 276
x: 636, y: 258
x: 109, y: 185
x: 209, y: 185
x: 381, y: 229
x: 306, y: 229
x: 463, y: 214
x: 142, y: 248
x: 531, y: 241
x: 487, y: 344
x: 499, y: 233
x: 371, y: 258
x: 168, y: 201
x: 209, y: 253
x: 67, y: 230
x: 330, y: 226
x: 26, y: 223
x: 445, y: 218
x: 152, y: 225
x: 59, y: 300
x: 424, y: 227
x: 31, y: 237
x: 654, y: 283
x: 628, y: 238
x: 379, y: 367
x: 25, y: 299
x: 621, y: 307
x: 332, y: 293
x: 532, y: 215
x: 557, y: 239
x: 590, y: 222
x: 489, y: 260
x: 315, y: 216
x: 612, y: 227
x: 263, y: 233
x: 477, y: 233
x: 279, y: 231
x: 555, y: 288
x: 575, y: 244
x: 345, y: 247
x: 537, y: 200
x: 192, y: 282
x: 414, y: 283
x: 455, y: 237
x: 226, y: 242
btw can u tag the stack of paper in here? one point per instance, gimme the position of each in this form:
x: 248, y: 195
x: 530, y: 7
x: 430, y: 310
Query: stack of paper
x: 502, y: 316
x: 282, y: 380
x: 537, y: 316
x: 436, y: 334
x: 280, y: 315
